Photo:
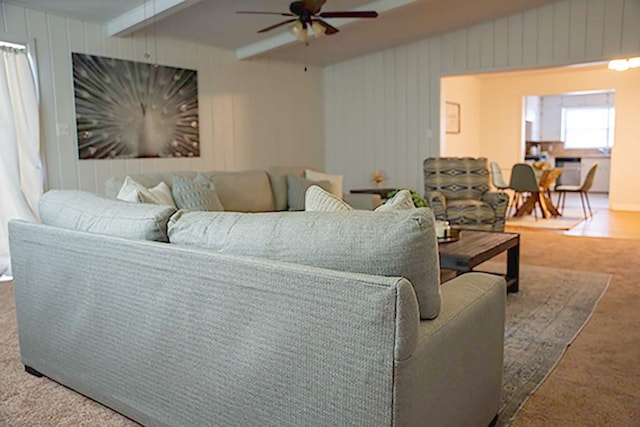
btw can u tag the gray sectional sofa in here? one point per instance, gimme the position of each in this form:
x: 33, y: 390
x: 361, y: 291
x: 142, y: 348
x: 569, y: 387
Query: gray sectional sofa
x: 255, y: 319
x: 244, y: 191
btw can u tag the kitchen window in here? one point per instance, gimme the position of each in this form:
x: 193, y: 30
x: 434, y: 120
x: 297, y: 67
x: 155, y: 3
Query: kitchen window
x: 588, y: 127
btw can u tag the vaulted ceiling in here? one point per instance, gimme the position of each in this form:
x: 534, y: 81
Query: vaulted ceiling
x: 216, y: 23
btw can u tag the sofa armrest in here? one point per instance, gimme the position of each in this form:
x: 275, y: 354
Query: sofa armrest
x: 459, y: 358
x: 363, y: 201
x: 438, y: 203
x: 499, y: 201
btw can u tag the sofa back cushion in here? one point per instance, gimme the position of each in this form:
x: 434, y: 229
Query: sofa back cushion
x: 401, y: 243
x: 244, y: 191
x: 79, y: 210
x: 278, y: 178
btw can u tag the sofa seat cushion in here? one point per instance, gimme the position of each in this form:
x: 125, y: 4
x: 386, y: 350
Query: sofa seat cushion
x: 245, y: 191
x: 468, y: 212
x: 83, y: 211
x: 400, y: 243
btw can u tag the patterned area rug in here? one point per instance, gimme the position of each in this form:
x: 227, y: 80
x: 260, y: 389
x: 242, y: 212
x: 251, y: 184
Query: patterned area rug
x: 568, y: 220
x: 543, y: 319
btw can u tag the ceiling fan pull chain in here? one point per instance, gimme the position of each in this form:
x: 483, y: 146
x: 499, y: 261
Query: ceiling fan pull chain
x: 306, y: 58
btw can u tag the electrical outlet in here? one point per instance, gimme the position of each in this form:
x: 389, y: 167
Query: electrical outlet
x: 63, y: 129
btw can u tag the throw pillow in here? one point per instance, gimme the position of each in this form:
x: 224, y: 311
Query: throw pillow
x: 132, y: 191
x: 318, y: 200
x: 297, y: 188
x: 402, y: 200
x: 195, y: 195
x: 335, y: 180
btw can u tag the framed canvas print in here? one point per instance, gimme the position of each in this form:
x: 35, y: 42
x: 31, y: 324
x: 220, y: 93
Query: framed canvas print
x: 452, y: 117
x: 128, y: 109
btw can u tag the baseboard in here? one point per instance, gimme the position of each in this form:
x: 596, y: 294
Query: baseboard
x: 624, y: 207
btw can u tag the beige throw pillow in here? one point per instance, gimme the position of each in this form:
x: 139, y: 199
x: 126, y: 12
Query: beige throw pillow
x: 401, y: 201
x: 317, y: 199
x: 335, y: 180
x: 132, y: 191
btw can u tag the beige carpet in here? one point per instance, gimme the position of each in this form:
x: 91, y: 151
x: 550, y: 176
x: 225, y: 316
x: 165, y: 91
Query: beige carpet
x: 567, y: 221
x: 595, y: 383
x: 27, y: 401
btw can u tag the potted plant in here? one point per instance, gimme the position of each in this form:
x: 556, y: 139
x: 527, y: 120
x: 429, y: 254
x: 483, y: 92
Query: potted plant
x: 418, y: 201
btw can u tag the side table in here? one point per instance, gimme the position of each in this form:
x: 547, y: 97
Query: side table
x: 382, y: 192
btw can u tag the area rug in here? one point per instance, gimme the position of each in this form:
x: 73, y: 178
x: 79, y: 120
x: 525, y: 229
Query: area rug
x: 567, y: 221
x: 542, y: 320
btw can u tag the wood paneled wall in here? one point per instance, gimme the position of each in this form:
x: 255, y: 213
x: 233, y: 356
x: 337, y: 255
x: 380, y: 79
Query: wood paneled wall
x: 382, y: 111
x: 250, y: 115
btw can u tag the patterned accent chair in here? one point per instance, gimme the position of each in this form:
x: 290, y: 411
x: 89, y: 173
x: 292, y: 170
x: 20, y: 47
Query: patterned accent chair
x: 457, y: 189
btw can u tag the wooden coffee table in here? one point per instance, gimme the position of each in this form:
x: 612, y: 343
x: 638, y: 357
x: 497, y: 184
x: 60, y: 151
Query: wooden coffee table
x: 475, y: 247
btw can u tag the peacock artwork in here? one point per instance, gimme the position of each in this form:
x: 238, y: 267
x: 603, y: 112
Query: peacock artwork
x: 127, y: 109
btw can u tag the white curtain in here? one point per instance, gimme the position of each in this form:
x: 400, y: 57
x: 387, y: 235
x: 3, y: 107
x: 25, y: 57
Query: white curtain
x: 21, y: 178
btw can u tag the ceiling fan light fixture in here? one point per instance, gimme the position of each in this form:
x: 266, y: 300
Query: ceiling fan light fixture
x: 634, y: 62
x: 299, y: 31
x: 319, y: 29
x: 619, y: 65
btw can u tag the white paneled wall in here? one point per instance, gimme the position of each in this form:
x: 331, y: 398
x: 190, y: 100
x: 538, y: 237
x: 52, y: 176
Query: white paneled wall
x: 251, y: 113
x: 383, y: 110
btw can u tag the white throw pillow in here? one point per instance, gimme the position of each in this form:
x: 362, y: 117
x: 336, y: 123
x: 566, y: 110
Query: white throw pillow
x: 400, y: 201
x: 335, y: 180
x: 132, y: 191
x: 317, y: 199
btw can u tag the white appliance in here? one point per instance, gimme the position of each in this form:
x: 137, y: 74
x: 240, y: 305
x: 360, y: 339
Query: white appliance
x: 570, y: 170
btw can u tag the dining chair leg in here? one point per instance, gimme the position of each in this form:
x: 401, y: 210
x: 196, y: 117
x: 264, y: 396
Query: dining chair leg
x: 586, y: 196
x: 584, y: 209
x: 564, y: 200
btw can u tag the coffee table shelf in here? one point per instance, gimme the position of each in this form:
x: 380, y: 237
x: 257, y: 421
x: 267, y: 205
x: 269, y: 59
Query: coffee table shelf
x: 475, y: 247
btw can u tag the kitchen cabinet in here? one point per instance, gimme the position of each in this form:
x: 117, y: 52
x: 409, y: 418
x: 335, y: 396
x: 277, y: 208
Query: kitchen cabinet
x: 601, y: 179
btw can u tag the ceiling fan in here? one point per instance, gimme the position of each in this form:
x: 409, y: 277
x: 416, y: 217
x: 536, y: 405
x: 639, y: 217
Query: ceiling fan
x: 307, y: 15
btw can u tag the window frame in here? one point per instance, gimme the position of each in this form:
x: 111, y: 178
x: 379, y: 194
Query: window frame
x: 610, y: 129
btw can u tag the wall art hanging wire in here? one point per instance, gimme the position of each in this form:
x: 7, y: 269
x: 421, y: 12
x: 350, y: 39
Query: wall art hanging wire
x: 127, y: 109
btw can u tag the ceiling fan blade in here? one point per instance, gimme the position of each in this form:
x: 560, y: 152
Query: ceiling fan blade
x: 329, y: 29
x: 313, y: 6
x: 352, y: 14
x: 265, y: 13
x: 288, y: 21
